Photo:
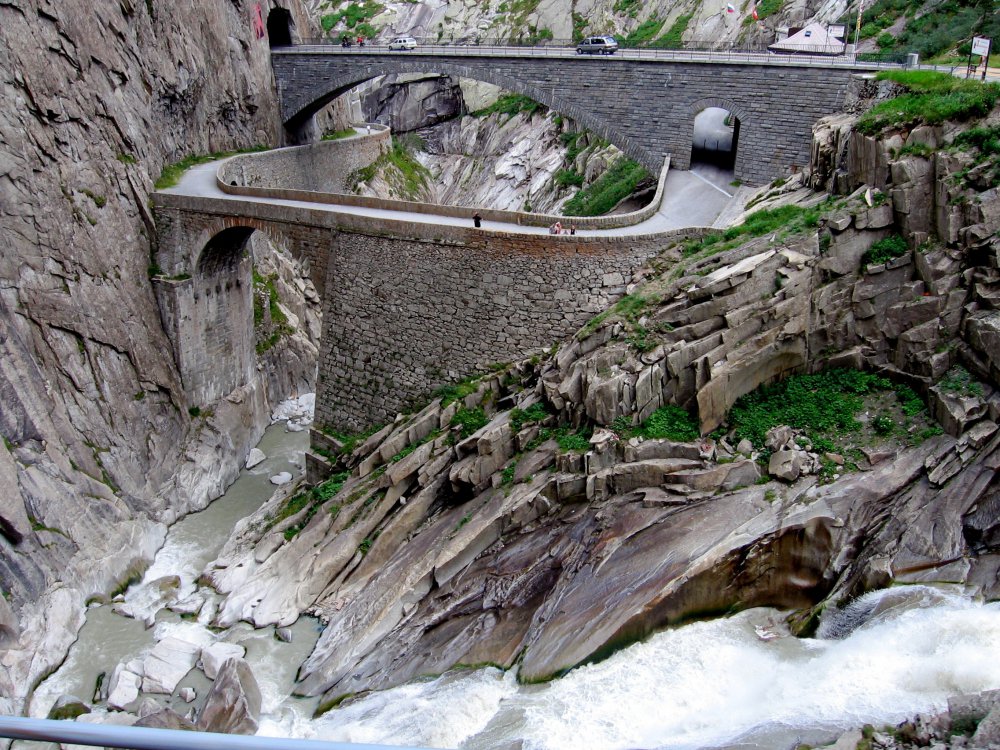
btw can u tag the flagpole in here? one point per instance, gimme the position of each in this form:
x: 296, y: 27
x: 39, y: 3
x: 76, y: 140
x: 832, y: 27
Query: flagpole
x: 857, y: 28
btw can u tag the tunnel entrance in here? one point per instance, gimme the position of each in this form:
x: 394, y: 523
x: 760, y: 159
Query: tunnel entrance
x: 716, y: 138
x: 279, y: 28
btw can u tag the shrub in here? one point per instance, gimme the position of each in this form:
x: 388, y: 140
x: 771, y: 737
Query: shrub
x: 932, y: 98
x: 885, y: 250
x: 669, y: 422
x: 608, y: 190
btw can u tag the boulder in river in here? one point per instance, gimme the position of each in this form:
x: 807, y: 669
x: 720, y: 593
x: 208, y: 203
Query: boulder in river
x: 123, y: 688
x: 167, y: 663
x: 214, y: 656
x: 255, y: 457
x: 233, y: 704
x: 68, y: 707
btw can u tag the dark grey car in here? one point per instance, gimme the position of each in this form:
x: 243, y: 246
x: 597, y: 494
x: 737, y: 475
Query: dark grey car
x: 597, y: 45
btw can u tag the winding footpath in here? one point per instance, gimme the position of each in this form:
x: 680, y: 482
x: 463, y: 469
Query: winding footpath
x: 690, y: 198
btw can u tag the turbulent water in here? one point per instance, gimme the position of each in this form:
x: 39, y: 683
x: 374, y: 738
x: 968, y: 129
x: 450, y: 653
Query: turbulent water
x: 739, y: 679
x: 702, y: 685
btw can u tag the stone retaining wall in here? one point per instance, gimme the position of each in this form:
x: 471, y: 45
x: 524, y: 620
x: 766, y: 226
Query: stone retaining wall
x: 318, y: 167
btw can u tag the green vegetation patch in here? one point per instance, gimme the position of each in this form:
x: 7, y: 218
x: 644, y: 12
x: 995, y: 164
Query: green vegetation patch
x: 932, y: 98
x: 643, y: 34
x: 172, y: 173
x: 534, y: 413
x: 457, y: 391
x: 353, y: 16
x: 313, y: 499
x: 510, y: 105
x: 669, y: 422
x: 469, y: 420
x: 885, y: 250
x: 406, y: 176
x: 336, y: 135
x: 824, y: 405
x: 984, y: 143
x: 959, y: 382
x: 674, y: 38
x: 608, y: 190
x: 783, y: 221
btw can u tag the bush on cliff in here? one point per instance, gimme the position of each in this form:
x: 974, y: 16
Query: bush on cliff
x: 931, y: 98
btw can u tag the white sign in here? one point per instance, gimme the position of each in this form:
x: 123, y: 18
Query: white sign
x: 837, y: 32
x: 980, y: 45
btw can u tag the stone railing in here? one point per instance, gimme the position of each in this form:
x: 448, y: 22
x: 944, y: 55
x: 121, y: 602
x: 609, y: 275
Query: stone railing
x: 257, y: 175
x: 318, y: 167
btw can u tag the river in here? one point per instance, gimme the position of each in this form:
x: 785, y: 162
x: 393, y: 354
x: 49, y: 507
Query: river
x: 708, y: 684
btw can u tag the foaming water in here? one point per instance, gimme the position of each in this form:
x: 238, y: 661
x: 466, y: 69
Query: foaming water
x: 702, y: 685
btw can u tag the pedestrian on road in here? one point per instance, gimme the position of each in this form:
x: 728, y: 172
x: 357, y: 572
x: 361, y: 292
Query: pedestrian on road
x: 572, y: 228
x: 361, y: 41
x: 477, y: 219
x: 557, y: 228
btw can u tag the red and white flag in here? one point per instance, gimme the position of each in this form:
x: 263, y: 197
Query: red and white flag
x: 754, y: 12
x: 730, y: 8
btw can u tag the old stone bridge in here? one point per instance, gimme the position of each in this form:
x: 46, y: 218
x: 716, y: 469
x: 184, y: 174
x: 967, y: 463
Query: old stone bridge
x: 408, y: 305
x: 645, y: 106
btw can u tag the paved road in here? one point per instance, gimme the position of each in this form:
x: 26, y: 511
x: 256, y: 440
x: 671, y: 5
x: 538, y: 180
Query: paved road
x: 691, y: 198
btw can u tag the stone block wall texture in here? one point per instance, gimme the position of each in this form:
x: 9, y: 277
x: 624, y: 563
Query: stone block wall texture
x: 407, y: 306
x: 645, y: 107
x: 320, y: 166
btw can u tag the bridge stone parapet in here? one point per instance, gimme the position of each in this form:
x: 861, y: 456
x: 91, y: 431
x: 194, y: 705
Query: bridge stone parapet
x: 407, y: 306
x: 320, y: 167
x: 645, y: 107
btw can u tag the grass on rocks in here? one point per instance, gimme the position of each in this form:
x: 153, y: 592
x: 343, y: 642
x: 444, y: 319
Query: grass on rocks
x: 172, y: 173
x: 931, y: 98
x: 313, y: 499
x: 669, y: 422
x: 608, y: 190
x: 510, y: 105
x: 839, y: 410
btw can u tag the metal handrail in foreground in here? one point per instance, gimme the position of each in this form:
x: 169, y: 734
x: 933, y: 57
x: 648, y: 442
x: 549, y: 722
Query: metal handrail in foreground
x: 146, y: 738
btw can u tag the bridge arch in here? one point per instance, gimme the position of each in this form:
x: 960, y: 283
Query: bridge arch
x: 549, y: 95
x: 745, y: 125
x: 217, y: 354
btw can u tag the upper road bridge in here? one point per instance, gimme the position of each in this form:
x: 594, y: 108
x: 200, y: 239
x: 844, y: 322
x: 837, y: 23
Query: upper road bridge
x: 645, y: 105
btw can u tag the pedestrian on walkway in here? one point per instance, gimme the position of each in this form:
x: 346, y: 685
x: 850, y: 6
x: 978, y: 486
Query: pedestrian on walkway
x: 477, y: 219
x: 572, y: 228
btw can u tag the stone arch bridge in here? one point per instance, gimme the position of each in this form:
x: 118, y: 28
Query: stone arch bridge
x: 644, y: 106
x: 407, y: 305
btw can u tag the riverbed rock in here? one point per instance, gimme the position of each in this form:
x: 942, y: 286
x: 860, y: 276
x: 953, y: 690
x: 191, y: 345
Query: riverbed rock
x: 68, y: 707
x: 165, y: 718
x: 232, y: 706
x: 255, y: 457
x: 123, y: 687
x: 282, y: 477
x: 283, y: 634
x: 187, y: 694
x: 167, y: 663
x: 214, y: 656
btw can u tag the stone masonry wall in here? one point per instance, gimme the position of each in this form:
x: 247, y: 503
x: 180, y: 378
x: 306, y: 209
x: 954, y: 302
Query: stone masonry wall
x: 645, y: 107
x: 408, y: 306
x: 320, y: 166
x: 402, y: 317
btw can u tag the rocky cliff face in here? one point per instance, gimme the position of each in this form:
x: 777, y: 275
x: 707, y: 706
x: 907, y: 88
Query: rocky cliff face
x: 98, y: 447
x: 482, y: 530
x: 708, y: 21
